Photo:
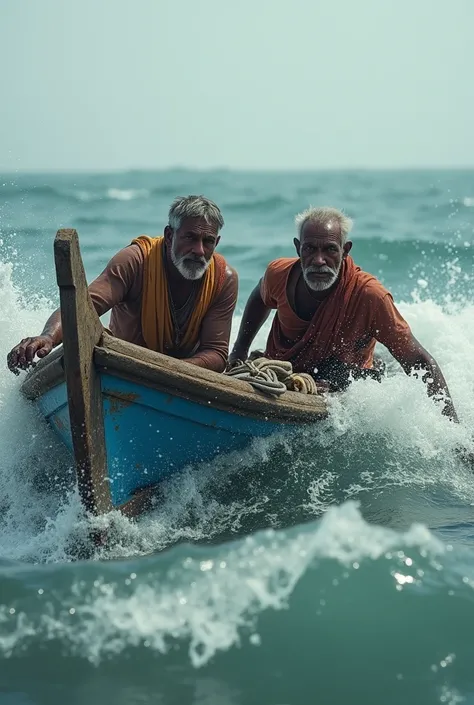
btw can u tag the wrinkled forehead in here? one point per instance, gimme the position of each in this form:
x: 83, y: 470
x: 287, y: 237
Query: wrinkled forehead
x: 198, y: 226
x: 321, y: 232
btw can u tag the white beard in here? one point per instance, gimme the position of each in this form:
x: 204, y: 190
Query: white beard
x: 317, y: 285
x: 188, y: 268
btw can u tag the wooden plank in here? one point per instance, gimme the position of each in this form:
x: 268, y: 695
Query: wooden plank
x: 82, y: 331
x: 143, y: 500
x: 172, y: 364
x: 223, y: 393
x: 207, y: 379
x: 44, y: 377
x: 187, y: 381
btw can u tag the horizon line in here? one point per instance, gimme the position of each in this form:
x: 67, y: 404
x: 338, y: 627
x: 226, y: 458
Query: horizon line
x: 237, y: 170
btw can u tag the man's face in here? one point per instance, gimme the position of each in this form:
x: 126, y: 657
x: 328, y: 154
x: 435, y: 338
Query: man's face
x: 192, y: 246
x: 321, y: 254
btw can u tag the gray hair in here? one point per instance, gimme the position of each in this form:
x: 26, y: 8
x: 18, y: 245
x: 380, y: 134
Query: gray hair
x: 194, y: 207
x: 325, y: 216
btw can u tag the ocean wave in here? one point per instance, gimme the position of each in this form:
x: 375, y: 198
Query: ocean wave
x: 8, y: 189
x: 81, y: 195
x: 112, y: 194
x: 205, y: 597
x: 30, y: 232
x: 263, y: 205
x: 338, y: 597
x: 122, y: 223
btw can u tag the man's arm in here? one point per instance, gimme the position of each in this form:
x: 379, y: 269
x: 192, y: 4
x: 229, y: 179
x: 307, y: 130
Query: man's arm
x: 412, y: 356
x: 216, y: 327
x: 394, y: 332
x: 109, y: 289
x: 255, y: 314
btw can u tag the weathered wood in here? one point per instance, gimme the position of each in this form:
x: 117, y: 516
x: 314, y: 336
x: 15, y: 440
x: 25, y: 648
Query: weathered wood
x: 141, y: 502
x: 48, y: 373
x: 222, y: 392
x: 188, y: 381
x: 193, y: 375
x: 82, y: 331
x: 171, y: 363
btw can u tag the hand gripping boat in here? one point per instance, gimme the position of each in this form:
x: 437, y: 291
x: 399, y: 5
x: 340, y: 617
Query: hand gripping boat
x: 132, y: 417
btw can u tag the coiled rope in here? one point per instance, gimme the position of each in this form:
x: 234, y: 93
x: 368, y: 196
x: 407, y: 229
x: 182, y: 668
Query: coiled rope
x: 273, y: 377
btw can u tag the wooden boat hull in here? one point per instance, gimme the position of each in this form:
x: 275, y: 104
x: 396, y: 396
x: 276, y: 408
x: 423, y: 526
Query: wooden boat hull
x: 132, y: 417
x: 151, y: 434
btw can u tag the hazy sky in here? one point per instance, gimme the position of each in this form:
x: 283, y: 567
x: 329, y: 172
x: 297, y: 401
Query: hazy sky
x: 117, y: 84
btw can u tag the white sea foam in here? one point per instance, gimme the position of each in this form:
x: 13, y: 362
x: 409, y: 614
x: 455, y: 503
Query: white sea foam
x: 211, y: 601
x: 113, y: 194
x: 117, y: 194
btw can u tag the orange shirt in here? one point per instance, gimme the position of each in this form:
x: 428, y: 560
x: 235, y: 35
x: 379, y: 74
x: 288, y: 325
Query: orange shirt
x: 346, y: 325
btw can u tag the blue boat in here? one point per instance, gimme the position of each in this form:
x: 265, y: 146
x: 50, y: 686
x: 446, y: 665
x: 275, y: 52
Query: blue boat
x: 132, y: 417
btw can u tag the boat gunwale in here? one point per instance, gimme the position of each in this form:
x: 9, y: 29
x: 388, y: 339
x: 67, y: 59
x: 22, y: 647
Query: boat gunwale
x: 47, y: 374
x: 243, y: 400
x: 179, y: 378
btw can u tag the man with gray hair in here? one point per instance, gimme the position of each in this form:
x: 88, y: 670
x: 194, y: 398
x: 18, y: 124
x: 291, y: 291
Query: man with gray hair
x: 173, y: 294
x: 329, y: 313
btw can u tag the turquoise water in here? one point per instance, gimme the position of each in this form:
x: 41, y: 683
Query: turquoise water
x: 332, y: 566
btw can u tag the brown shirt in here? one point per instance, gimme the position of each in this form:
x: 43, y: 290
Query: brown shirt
x: 119, y: 287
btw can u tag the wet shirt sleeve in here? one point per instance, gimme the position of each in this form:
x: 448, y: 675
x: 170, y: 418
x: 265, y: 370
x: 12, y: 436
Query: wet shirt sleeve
x: 115, y: 283
x: 267, y: 285
x: 389, y: 326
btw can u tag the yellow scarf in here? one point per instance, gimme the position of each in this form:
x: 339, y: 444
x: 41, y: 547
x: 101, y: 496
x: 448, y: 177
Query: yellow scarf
x: 157, y: 323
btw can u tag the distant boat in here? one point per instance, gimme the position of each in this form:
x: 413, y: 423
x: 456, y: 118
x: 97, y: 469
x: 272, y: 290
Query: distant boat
x: 132, y: 417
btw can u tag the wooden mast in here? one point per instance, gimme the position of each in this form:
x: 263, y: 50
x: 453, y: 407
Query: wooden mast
x: 82, y: 331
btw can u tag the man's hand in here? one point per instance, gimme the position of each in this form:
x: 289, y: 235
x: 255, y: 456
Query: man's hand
x: 22, y: 355
x: 414, y: 358
x: 235, y: 357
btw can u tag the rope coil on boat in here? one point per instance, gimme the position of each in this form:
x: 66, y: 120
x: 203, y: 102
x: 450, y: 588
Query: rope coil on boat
x: 273, y: 377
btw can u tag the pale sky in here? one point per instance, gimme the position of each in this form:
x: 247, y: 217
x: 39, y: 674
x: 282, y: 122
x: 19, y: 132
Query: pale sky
x: 253, y: 84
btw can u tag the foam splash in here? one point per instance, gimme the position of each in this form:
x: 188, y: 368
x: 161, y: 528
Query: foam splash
x: 38, y: 500
x: 209, y: 600
x: 116, y: 194
x: 113, y: 194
